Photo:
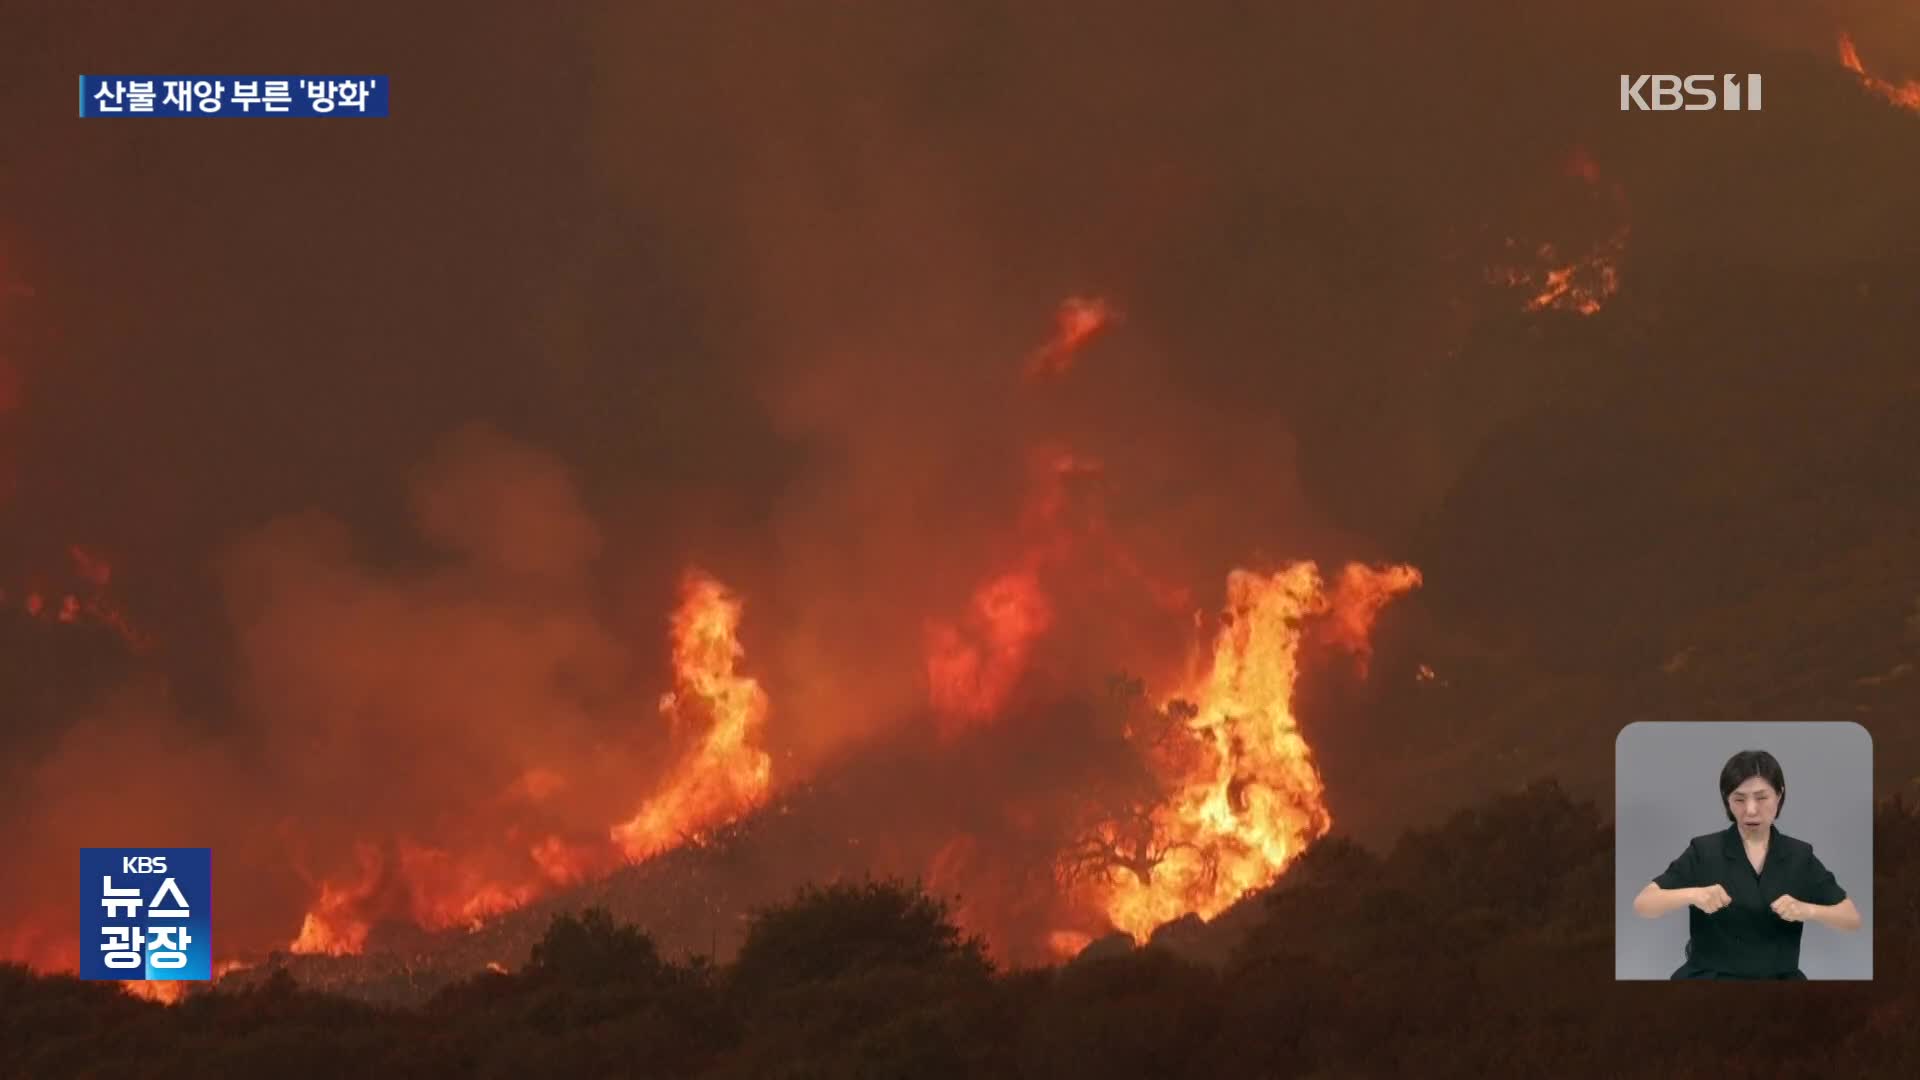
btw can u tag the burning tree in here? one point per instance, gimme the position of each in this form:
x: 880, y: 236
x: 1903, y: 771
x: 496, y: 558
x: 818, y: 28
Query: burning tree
x: 1223, y: 792
x: 1119, y: 833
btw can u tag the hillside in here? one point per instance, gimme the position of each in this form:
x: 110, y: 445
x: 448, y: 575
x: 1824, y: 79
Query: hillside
x: 1443, y: 956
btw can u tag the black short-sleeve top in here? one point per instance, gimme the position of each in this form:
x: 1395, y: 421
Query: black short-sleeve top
x: 1746, y: 938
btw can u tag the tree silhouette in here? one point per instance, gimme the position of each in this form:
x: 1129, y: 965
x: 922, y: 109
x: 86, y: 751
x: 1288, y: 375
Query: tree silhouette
x: 1119, y: 830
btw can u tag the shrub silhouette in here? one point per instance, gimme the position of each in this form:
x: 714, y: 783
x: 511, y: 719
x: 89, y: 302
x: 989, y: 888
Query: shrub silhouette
x: 590, y: 948
x: 830, y: 931
x: 866, y: 979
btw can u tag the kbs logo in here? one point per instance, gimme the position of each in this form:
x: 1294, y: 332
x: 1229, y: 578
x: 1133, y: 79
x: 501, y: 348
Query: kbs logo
x: 1694, y: 93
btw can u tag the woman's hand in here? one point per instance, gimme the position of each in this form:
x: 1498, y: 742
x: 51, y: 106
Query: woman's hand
x: 1840, y: 916
x: 1654, y: 901
x: 1792, y: 910
x: 1711, y: 898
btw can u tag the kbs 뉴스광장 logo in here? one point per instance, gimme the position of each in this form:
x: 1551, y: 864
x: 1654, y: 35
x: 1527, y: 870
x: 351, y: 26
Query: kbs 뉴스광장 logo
x: 145, y: 913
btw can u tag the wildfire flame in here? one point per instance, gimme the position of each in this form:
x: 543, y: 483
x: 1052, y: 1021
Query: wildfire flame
x: 563, y: 863
x: 1581, y: 284
x: 1246, y: 798
x: 727, y: 773
x: 435, y: 888
x: 448, y: 889
x: 161, y: 991
x: 174, y: 991
x: 973, y: 663
x: 1357, y: 599
x: 724, y: 775
x: 972, y: 667
x: 1077, y: 322
x: 1906, y: 94
x: 333, y: 926
x: 1239, y: 796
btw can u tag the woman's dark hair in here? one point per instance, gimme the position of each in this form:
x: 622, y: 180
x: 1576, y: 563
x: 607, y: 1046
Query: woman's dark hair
x: 1746, y: 765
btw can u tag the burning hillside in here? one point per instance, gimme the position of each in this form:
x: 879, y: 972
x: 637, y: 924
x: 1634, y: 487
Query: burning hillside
x: 1905, y: 94
x: 979, y: 445
x: 715, y: 715
x: 503, y: 798
x: 1229, y: 797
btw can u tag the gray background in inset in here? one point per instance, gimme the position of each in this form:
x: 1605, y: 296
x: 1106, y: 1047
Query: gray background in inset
x: 1666, y: 780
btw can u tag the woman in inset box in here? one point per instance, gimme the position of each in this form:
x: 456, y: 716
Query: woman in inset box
x: 1750, y: 887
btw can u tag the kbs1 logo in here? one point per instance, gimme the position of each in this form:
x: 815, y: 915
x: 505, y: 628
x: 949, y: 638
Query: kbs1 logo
x: 144, y: 913
x: 1693, y: 93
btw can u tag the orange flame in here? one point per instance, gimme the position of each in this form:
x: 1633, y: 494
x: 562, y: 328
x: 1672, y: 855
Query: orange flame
x: 162, y: 991
x: 1079, y: 319
x: 334, y: 926
x: 1581, y: 284
x: 44, y: 940
x: 445, y: 889
x: 174, y: 991
x: 1580, y: 287
x: 1248, y: 799
x: 563, y: 863
x: 727, y: 774
x: 974, y: 663
x: 1358, y: 597
x: 1906, y: 95
x: 435, y: 889
x: 724, y: 776
x: 972, y: 669
x: 1067, y: 944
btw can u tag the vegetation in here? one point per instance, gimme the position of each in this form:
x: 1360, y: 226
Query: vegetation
x: 1446, y: 956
